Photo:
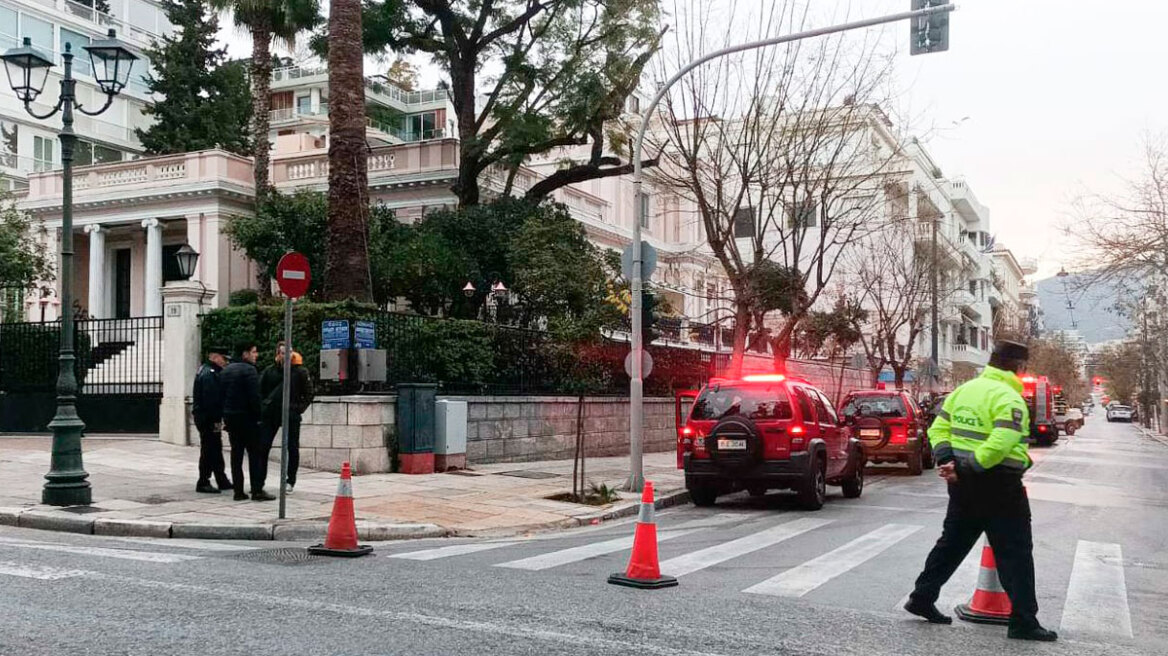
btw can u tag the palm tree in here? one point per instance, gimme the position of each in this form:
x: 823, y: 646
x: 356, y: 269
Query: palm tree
x: 347, y: 258
x: 266, y: 20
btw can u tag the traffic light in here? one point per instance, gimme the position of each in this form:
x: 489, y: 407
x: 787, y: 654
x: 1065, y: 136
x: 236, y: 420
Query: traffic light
x: 1098, y: 380
x: 929, y: 33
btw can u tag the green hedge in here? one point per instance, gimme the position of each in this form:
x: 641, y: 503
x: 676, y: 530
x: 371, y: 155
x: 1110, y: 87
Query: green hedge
x: 28, y: 356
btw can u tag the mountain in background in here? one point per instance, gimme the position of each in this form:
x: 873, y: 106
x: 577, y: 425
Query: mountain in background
x: 1097, y: 321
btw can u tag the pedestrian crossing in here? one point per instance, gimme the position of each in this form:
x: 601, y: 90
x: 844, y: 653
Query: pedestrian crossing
x: 1096, y: 598
x: 818, y: 558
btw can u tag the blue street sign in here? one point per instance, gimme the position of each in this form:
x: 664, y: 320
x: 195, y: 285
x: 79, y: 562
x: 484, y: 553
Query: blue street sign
x: 365, y: 334
x: 334, y: 334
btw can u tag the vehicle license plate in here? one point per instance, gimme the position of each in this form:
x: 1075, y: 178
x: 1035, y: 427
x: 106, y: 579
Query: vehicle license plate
x: 732, y: 445
x: 870, y: 432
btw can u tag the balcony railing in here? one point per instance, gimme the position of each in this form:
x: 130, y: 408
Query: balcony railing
x: 969, y: 355
x: 396, y: 160
x: 149, y: 174
x: 376, y: 83
x: 126, y: 30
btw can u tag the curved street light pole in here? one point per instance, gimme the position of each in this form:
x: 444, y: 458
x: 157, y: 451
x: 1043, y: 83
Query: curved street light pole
x: 637, y: 383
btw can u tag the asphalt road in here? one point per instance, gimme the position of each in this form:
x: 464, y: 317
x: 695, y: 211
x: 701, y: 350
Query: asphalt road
x: 757, y: 577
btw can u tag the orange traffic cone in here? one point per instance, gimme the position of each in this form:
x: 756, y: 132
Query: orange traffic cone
x: 990, y: 603
x: 342, y: 528
x: 644, y: 571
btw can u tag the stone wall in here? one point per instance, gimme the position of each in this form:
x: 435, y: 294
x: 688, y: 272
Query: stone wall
x: 526, y: 428
x: 353, y: 429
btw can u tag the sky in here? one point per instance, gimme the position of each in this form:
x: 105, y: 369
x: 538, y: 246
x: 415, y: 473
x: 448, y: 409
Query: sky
x: 1035, y: 103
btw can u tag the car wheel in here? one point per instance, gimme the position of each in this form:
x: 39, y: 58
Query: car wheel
x: 929, y: 461
x: 756, y: 491
x: 915, y: 463
x: 814, y: 491
x: 1070, y: 430
x: 853, y: 487
x: 703, y: 496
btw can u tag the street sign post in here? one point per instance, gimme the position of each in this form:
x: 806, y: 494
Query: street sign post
x: 293, y: 277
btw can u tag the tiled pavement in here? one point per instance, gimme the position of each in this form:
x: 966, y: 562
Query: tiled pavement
x: 144, y: 479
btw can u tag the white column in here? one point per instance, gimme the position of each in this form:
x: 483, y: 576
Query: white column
x: 153, y: 277
x: 180, y: 359
x: 96, y: 271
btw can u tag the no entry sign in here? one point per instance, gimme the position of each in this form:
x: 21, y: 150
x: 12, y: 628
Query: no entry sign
x: 292, y: 275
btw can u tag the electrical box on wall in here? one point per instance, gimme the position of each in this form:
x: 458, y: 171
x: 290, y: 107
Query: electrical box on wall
x: 334, y: 364
x: 371, y: 365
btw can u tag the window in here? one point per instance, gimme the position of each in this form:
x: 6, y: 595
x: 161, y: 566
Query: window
x: 744, y: 223
x: 973, y: 287
x: 767, y: 403
x: 41, y: 32
x: 884, y: 407
x: 82, y: 153
x: 77, y: 41
x: 802, y: 215
x: 9, y: 140
x: 633, y: 105
x: 827, y: 408
x: 105, y: 154
x: 8, y: 28
x: 138, y: 74
x: 304, y: 104
x: 420, y: 126
x: 804, y: 405
x: 42, y: 153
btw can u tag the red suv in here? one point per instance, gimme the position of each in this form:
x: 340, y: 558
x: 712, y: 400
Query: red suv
x: 891, y: 426
x: 766, y: 432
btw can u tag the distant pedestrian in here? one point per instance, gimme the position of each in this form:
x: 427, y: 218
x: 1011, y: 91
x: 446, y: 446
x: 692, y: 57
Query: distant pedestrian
x: 978, y: 441
x: 241, y: 415
x: 207, y: 409
x: 301, y: 394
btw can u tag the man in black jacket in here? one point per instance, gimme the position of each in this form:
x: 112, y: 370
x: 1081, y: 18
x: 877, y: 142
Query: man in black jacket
x: 272, y: 391
x: 241, y: 414
x: 207, y: 408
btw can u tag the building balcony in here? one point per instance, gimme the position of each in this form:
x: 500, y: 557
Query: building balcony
x: 967, y: 204
x: 948, y: 252
x: 399, y: 165
x: 376, y: 86
x: 968, y: 355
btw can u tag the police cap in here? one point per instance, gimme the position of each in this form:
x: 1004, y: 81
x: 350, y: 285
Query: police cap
x: 1007, y: 350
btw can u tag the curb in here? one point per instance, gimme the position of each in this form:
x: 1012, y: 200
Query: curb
x: 293, y: 531
x: 627, y: 509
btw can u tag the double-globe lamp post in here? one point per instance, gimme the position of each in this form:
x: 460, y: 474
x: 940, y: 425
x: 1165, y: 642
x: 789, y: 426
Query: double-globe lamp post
x: 28, y: 71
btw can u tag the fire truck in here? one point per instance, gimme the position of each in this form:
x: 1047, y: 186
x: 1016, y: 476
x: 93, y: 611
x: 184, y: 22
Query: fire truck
x: 1039, y: 395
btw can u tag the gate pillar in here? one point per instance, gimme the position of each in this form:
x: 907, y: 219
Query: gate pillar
x: 182, y: 304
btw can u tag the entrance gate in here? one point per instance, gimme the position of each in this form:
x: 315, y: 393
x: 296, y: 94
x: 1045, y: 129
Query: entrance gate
x: 119, y: 374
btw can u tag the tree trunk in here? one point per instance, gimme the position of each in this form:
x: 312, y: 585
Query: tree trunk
x: 462, y: 78
x: 261, y: 103
x: 346, y: 253
x: 738, y: 351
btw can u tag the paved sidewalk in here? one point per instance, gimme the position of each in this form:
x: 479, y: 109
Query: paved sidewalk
x: 142, y: 486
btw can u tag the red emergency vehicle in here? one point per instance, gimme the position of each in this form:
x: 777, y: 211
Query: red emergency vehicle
x: 1039, y: 395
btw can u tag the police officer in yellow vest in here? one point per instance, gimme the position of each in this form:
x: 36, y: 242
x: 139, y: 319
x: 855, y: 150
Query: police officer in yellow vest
x: 978, y: 438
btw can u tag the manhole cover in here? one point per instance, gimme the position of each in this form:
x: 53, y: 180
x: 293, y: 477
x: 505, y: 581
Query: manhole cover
x: 81, y: 510
x: 283, y: 556
x: 522, y: 473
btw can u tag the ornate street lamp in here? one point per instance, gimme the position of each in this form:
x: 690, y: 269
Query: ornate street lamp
x: 28, y: 71
x: 187, y: 258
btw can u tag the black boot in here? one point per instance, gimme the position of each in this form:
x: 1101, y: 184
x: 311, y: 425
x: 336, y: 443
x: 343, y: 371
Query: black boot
x: 240, y: 495
x: 206, y: 488
x: 1036, y: 633
x: 260, y: 495
x: 927, y: 611
x: 223, y: 484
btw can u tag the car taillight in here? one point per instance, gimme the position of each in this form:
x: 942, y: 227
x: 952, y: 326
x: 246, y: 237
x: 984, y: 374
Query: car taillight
x: 1042, y: 428
x: 797, y: 433
x: 899, y: 434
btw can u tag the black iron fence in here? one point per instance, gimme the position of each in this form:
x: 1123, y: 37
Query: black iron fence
x: 118, y: 367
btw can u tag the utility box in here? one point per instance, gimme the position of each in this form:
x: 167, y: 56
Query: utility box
x: 371, y: 365
x: 334, y: 364
x: 415, y: 426
x: 450, y: 435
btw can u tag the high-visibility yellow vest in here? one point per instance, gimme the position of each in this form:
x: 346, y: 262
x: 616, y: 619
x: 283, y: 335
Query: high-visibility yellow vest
x: 984, y: 423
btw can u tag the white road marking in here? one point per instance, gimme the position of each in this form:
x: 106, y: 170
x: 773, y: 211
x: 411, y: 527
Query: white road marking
x: 9, y: 568
x: 719, y: 553
x: 454, y: 550
x: 584, y: 552
x: 1097, y: 593
x: 1104, y: 462
x: 800, y: 580
x: 101, y: 552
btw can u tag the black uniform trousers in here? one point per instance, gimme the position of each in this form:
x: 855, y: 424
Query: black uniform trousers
x: 272, y: 431
x: 246, y: 439
x: 211, y: 454
x: 995, y: 504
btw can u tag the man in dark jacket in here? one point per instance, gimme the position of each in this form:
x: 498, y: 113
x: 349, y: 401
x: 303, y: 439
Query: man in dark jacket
x: 241, y: 415
x: 272, y: 391
x: 207, y: 408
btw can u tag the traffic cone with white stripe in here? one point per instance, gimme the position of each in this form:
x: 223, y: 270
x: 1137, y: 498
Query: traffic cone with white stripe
x: 644, y: 570
x: 341, y: 539
x: 990, y: 603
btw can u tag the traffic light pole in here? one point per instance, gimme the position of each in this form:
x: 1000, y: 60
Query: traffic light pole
x: 637, y: 383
